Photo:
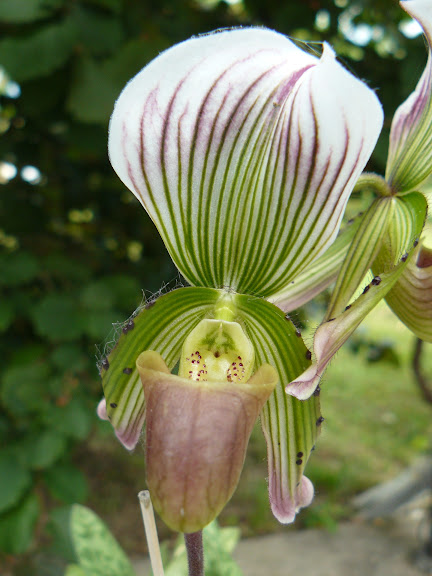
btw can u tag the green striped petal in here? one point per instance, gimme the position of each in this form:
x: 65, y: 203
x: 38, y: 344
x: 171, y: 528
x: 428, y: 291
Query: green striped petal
x: 361, y: 254
x: 319, y: 275
x: 403, y: 232
x: 244, y: 150
x: 396, y: 249
x: 162, y: 326
x: 290, y: 427
x: 411, y: 297
x: 410, y: 153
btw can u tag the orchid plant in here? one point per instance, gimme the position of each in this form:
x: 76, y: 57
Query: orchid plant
x: 244, y: 150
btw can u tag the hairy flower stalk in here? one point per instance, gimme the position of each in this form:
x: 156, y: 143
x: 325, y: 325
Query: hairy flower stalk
x: 244, y: 150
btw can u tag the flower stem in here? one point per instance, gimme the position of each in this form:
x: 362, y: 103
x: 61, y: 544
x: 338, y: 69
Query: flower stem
x: 195, y: 553
x: 225, y: 308
x: 373, y: 182
x: 151, y: 532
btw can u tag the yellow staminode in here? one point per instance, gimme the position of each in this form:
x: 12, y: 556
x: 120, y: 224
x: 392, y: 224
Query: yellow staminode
x: 217, y: 351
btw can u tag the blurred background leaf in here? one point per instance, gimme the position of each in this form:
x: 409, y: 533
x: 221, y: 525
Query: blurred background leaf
x: 76, y: 250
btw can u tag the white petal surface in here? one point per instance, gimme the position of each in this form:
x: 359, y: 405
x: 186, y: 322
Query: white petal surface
x: 243, y: 149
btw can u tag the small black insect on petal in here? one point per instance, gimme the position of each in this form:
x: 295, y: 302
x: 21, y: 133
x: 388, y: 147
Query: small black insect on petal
x: 298, y: 333
x: 404, y: 257
x: 299, y: 461
x: 320, y: 421
x: 348, y: 307
x: 127, y: 370
x: 105, y: 363
x: 317, y: 391
x: 308, y: 354
x: 299, y: 454
x: 150, y: 304
x: 113, y: 405
x: 376, y: 281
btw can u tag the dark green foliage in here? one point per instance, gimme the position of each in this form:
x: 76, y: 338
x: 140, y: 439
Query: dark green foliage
x: 14, y: 481
x: 23, y: 11
x: 17, y: 524
x: 75, y: 247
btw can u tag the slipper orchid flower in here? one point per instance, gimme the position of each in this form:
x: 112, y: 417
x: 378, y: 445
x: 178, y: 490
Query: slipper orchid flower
x: 244, y: 150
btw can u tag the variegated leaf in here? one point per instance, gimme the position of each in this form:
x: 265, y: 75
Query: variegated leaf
x: 98, y: 552
x: 244, y: 150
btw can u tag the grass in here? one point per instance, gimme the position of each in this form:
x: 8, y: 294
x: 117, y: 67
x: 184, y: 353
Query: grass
x: 376, y: 420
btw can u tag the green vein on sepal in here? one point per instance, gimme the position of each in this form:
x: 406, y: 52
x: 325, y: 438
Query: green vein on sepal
x: 397, y: 248
x: 404, y: 229
x: 361, y: 254
x: 290, y: 426
x: 319, y: 275
x: 160, y: 325
x: 411, y: 297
